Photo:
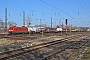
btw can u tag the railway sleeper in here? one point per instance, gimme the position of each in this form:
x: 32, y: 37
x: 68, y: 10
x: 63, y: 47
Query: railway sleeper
x: 61, y: 51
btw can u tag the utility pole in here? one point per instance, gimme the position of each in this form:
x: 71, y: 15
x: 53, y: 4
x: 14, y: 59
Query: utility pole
x: 66, y: 27
x: 60, y: 22
x: 40, y: 28
x: 40, y: 23
x: 23, y: 18
x: 29, y: 29
x: 62, y: 28
x: 71, y: 29
x: 51, y: 22
x: 6, y: 19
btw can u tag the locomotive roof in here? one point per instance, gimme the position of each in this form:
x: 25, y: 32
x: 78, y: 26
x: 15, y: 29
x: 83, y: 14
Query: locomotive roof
x: 18, y: 27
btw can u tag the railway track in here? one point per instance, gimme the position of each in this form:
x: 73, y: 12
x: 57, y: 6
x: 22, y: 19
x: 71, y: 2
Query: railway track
x: 19, y: 37
x: 26, y: 36
x: 86, y: 44
x: 71, y: 46
x: 18, y: 52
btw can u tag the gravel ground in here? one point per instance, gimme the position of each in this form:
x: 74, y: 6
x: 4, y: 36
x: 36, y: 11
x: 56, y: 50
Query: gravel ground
x: 7, y: 44
x: 5, y: 41
x: 42, y: 53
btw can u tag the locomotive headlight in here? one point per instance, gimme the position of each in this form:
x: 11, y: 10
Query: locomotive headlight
x: 10, y: 30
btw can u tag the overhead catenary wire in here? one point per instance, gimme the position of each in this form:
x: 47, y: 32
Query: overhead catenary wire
x: 63, y: 5
x: 26, y: 9
x: 83, y: 8
x: 42, y: 13
x: 39, y: 11
x: 54, y: 7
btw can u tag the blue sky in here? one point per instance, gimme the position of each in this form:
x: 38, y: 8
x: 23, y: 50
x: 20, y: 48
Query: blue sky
x: 76, y: 11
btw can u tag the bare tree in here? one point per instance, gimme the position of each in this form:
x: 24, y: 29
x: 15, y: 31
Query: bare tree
x: 2, y: 24
x: 28, y: 20
x: 10, y: 24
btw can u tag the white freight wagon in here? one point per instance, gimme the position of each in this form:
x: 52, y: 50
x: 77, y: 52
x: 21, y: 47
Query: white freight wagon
x: 59, y: 29
x: 32, y: 29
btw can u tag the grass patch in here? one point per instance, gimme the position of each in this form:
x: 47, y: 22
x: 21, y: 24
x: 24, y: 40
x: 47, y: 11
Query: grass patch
x: 87, y: 55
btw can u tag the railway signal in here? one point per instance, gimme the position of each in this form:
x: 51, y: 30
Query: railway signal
x: 66, y: 21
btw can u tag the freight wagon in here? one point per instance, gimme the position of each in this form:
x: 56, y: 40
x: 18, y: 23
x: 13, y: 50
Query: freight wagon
x: 33, y: 29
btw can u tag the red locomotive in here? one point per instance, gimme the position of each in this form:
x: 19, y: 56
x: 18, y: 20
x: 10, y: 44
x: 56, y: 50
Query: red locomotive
x: 15, y: 29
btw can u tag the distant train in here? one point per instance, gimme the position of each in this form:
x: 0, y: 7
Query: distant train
x: 31, y: 29
x: 15, y: 30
